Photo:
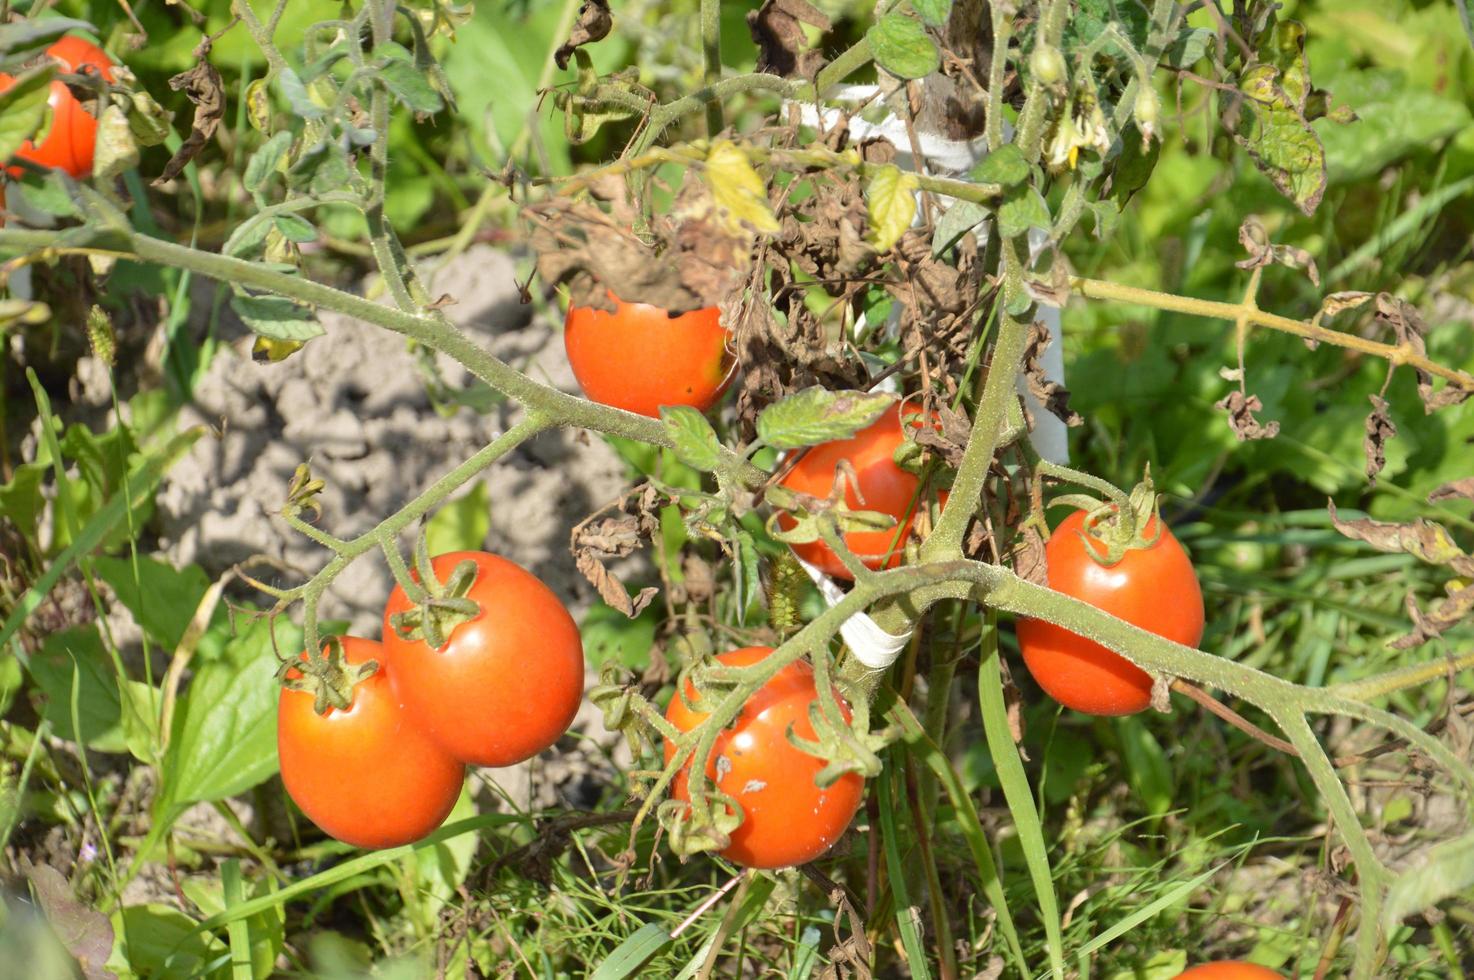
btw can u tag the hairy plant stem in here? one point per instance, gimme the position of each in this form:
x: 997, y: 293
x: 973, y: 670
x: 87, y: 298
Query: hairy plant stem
x: 711, y: 53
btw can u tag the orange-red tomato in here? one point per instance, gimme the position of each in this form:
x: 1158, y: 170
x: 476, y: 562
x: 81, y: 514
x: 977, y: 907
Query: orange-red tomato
x: 787, y: 819
x: 1228, y: 970
x: 366, y: 775
x: 639, y: 358
x: 1154, y: 588
x: 508, y: 682
x: 882, y: 486
x: 70, y: 141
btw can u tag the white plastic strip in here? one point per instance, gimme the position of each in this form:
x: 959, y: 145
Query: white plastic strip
x: 871, y: 645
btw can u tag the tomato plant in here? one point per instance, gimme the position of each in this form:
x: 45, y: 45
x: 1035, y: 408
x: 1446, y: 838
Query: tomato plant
x: 1228, y: 970
x: 639, y: 358
x: 879, y: 485
x: 364, y: 773
x: 1153, y: 587
x: 508, y: 679
x: 787, y: 818
x: 70, y: 142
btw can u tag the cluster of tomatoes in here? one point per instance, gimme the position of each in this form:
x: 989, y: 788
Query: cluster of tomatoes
x: 69, y: 143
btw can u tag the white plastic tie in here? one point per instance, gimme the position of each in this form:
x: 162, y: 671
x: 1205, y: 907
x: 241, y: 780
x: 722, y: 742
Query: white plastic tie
x: 871, y: 645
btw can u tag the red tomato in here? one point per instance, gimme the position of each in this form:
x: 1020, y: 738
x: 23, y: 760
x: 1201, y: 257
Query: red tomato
x: 366, y: 775
x: 1228, y: 970
x: 639, y: 358
x: 1154, y: 588
x: 787, y: 819
x: 883, y: 486
x: 70, y: 141
x: 507, y: 683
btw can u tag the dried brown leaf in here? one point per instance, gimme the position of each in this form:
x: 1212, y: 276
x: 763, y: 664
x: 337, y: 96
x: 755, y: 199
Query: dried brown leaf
x: 1053, y: 395
x: 783, y: 49
x: 1379, y: 429
x: 1425, y: 540
x: 1457, y: 607
x: 1263, y: 252
x: 202, y: 86
x: 593, y: 24
x: 1457, y: 490
x: 1241, y: 409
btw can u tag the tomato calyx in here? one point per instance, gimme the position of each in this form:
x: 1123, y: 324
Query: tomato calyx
x: 326, y: 675
x: 1116, y: 527
x: 444, y: 606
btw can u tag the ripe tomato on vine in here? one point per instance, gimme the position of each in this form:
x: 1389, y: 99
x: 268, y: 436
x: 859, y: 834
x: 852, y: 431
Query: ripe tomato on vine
x: 364, y: 773
x: 507, y: 681
x: 70, y: 143
x: 1151, y: 586
x: 639, y: 357
x: 787, y: 818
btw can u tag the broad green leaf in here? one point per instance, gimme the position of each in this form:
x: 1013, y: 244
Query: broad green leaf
x: 1188, y: 47
x: 611, y: 636
x: 161, y: 598
x: 266, y: 161
x: 1277, y: 137
x: 1107, y: 215
x: 26, y: 36
x: 115, y: 148
x: 291, y: 87
x: 817, y: 415
x: 322, y: 170
x: 738, y: 190
x: 696, y: 443
x: 1005, y: 165
x: 23, y: 108
x: 1146, y: 765
x: 902, y: 47
x: 224, y: 739
x: 409, y: 85
x: 76, y: 658
x: 1395, y: 119
x: 462, y: 524
x: 1022, y: 208
x: 276, y: 317
x: 295, y: 228
x: 630, y: 956
x: 890, y: 203
x: 21, y: 500
x: 934, y: 12
x: 158, y: 941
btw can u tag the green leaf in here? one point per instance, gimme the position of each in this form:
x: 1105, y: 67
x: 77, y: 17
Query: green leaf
x: 322, y: 170
x: 295, y: 228
x: 23, y: 108
x: 902, y: 47
x: 158, y: 941
x: 25, y: 36
x: 1276, y: 135
x: 630, y: 956
x: 611, y: 636
x: 961, y: 218
x: 1005, y: 165
x: 266, y: 161
x: 462, y: 524
x: 262, y: 935
x: 1395, y: 119
x: 224, y: 739
x: 1022, y: 208
x: 409, y: 85
x: 696, y: 443
x: 76, y: 658
x: 1444, y: 871
x: 890, y: 204
x: 442, y: 867
x: 934, y: 12
x: 1188, y: 47
x: 289, y: 83
x: 21, y: 500
x: 161, y: 598
x: 1107, y: 215
x: 1146, y: 765
x: 276, y: 317
x: 817, y: 415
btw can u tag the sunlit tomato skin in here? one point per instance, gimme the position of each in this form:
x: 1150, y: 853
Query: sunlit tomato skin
x: 883, y: 486
x: 639, y: 358
x: 70, y: 142
x: 787, y: 819
x: 506, y: 684
x: 1154, y: 588
x: 1228, y: 970
x: 366, y: 775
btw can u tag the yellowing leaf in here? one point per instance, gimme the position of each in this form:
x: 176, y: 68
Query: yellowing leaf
x: 738, y: 190
x: 890, y: 201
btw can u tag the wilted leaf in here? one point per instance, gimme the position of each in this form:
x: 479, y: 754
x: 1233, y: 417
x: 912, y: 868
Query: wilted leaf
x: 1340, y: 302
x: 1457, y: 490
x: 817, y: 415
x: 738, y: 190
x: 1379, y: 431
x: 594, y: 23
x: 901, y: 46
x: 1241, y: 409
x: 890, y: 201
x: 959, y: 219
x: 1423, y: 539
x: 1263, y: 252
x: 1278, y: 137
x: 606, y: 539
x: 116, y: 150
x: 783, y: 49
x: 202, y: 86
x: 85, y: 932
x: 1053, y: 395
x: 1448, y: 613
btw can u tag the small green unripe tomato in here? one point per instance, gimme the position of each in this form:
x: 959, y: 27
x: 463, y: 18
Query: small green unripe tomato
x: 1048, y: 66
